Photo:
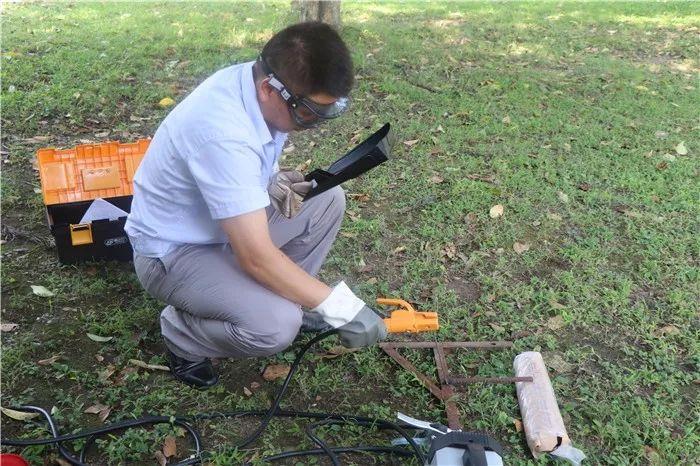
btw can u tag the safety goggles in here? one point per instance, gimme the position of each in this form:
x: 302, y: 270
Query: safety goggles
x: 305, y: 112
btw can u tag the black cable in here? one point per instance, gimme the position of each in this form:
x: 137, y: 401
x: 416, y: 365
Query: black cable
x: 273, y: 411
x: 291, y: 454
x: 54, y: 431
x: 173, y: 421
x: 280, y: 393
x: 349, y: 418
x: 309, y: 429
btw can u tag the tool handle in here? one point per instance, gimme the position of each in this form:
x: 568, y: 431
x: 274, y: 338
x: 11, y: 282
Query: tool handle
x: 407, y: 319
x: 400, y: 303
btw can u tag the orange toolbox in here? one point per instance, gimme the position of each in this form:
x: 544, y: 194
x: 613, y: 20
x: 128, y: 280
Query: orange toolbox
x: 71, y: 179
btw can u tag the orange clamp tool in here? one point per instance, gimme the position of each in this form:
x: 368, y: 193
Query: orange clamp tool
x: 407, y: 319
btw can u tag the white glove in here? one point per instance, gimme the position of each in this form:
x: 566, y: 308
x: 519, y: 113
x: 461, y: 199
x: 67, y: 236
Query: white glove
x: 357, y: 324
x: 287, y: 189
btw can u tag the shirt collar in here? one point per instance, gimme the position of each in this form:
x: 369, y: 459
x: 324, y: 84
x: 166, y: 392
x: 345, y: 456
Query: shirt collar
x: 252, y: 106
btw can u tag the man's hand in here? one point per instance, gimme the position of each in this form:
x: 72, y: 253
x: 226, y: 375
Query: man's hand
x: 358, y: 325
x: 287, y: 190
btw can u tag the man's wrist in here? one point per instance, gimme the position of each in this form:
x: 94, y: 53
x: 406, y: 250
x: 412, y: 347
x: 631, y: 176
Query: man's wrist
x: 340, y: 307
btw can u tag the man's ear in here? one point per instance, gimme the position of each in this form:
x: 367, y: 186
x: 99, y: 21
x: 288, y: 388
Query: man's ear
x: 264, y: 89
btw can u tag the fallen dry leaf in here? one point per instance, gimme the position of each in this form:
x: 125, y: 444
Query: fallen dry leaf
x: 8, y: 327
x: 496, y: 211
x: 681, y: 149
x: 555, y: 323
x: 104, y: 375
x: 355, y: 138
x: 411, y: 143
x: 669, y: 157
x: 104, y: 414
x: 169, y: 446
x: 666, y: 330
x: 555, y: 304
x: 496, y: 327
x: 302, y: 167
x: 436, y: 179
x: 49, y: 361
x: 98, y: 338
x: 99, y: 357
x: 584, y: 187
x: 166, y: 102
x: 555, y: 217
x: 520, y: 247
x: 484, y: 178
x: 247, y: 391
x: 372, y: 281
x: 557, y: 362
x: 518, y: 425
x: 123, y: 374
x: 61, y: 462
x: 359, y: 197
x: 41, y: 291
x: 662, y: 166
x: 101, y: 410
x: 160, y: 457
x: 450, y: 251
x: 95, y: 409
x: 336, y: 351
x: 652, y: 456
x: 254, y: 385
x: 138, y: 363
x: 18, y: 415
x: 275, y: 371
x: 36, y: 139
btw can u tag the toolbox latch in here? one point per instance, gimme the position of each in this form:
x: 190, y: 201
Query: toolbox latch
x: 81, y: 233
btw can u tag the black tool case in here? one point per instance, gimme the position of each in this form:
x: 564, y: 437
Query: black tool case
x: 102, y: 239
x: 71, y: 179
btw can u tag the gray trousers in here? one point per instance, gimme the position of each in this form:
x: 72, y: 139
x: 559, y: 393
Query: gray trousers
x: 215, y: 309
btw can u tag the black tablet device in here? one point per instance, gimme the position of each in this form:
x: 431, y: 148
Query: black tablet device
x: 368, y: 154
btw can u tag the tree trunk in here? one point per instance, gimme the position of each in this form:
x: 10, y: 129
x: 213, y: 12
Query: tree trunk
x: 327, y: 11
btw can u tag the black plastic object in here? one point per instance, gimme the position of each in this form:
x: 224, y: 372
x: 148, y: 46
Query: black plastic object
x: 109, y: 241
x: 368, y: 154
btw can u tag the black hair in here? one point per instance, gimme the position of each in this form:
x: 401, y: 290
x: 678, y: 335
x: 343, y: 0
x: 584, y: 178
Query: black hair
x: 310, y: 58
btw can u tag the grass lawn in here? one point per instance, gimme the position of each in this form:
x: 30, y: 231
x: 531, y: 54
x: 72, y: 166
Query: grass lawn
x: 580, y: 119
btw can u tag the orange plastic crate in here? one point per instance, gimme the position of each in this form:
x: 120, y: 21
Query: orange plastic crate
x: 89, y: 171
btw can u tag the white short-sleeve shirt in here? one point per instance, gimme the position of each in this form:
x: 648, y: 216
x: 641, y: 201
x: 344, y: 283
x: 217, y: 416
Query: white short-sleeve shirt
x: 210, y: 159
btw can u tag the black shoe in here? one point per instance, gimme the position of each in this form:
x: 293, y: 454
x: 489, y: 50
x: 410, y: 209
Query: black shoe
x: 312, y: 322
x: 198, y: 374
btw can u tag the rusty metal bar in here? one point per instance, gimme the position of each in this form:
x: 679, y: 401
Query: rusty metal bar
x: 406, y: 364
x: 447, y: 344
x: 451, y: 409
x: 446, y: 392
x: 441, y: 364
x: 467, y: 380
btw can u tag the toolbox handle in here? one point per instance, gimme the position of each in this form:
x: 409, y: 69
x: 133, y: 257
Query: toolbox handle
x: 80, y: 233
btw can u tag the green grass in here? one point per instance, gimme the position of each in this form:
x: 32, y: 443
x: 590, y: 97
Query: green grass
x: 569, y: 109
